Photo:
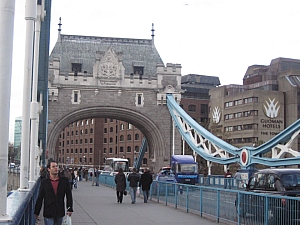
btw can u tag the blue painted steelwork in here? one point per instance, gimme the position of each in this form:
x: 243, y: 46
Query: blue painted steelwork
x: 43, y: 79
x: 222, y: 204
x: 137, y: 163
x: 214, y: 149
x: 20, y: 206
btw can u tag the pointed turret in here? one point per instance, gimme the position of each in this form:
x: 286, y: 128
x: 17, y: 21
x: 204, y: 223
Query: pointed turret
x: 59, y: 29
x: 152, y: 35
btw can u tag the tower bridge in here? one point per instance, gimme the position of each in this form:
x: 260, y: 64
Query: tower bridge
x: 118, y: 78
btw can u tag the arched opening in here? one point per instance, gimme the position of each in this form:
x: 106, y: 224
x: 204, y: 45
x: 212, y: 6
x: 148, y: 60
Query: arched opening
x: 151, y: 132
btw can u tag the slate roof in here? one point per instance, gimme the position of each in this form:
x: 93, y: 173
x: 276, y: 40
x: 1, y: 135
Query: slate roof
x: 200, y: 79
x: 85, y: 49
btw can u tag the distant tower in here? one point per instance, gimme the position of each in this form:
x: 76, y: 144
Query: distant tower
x: 152, y: 35
x: 59, y: 29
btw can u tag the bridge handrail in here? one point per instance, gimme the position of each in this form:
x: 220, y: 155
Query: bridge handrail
x: 194, y: 198
x: 20, y: 205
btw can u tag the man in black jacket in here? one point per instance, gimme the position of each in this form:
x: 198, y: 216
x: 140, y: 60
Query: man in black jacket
x: 133, y: 179
x: 52, y: 191
x: 145, y: 183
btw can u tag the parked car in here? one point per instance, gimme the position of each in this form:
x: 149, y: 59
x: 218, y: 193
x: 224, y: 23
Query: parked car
x: 242, y: 177
x: 277, y: 182
x: 168, y: 182
x: 103, y: 172
x: 12, y: 165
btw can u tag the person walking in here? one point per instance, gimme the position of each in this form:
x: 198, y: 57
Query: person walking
x: 43, y: 172
x: 97, y: 176
x: 94, y: 176
x: 68, y: 175
x: 133, y: 179
x: 227, y: 176
x: 120, y: 181
x: 86, y: 174
x: 52, y: 192
x: 145, y: 183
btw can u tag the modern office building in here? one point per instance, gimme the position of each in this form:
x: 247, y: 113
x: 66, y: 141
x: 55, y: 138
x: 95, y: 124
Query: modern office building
x: 17, y: 140
x: 266, y: 103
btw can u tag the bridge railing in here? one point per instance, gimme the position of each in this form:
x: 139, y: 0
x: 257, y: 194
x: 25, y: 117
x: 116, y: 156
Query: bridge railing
x: 231, y: 205
x: 20, y: 206
x: 220, y: 182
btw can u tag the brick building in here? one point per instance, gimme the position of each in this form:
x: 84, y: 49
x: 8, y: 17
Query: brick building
x: 89, y: 141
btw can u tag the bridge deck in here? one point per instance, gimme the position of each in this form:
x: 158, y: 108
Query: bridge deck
x: 98, y: 205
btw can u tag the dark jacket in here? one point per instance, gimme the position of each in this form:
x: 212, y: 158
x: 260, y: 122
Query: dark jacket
x: 146, y: 181
x: 54, y: 205
x: 133, y: 179
x: 120, y: 181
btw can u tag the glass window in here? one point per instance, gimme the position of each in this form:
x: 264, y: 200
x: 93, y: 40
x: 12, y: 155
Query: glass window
x: 192, y: 108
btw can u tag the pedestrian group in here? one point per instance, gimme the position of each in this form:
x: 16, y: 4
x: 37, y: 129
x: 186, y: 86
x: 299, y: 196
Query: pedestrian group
x: 57, y: 184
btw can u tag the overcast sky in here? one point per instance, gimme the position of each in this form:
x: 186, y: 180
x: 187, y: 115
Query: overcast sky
x: 207, y: 37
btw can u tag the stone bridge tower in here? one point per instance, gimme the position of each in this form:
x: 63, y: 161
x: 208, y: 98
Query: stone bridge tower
x: 118, y: 78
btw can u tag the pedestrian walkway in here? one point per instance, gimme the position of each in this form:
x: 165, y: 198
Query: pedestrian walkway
x: 97, y: 205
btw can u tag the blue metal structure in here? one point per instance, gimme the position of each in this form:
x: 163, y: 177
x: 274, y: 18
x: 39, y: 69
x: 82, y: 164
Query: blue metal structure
x: 43, y: 79
x: 214, y: 149
x: 137, y: 163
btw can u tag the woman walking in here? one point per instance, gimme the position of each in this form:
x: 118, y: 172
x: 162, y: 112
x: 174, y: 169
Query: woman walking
x: 120, y: 181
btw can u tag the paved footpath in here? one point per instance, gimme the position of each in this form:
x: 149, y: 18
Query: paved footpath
x: 98, y: 206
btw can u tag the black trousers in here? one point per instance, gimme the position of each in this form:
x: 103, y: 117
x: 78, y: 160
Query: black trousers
x: 120, y: 196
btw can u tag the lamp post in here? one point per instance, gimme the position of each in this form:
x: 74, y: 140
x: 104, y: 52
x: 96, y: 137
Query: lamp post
x: 67, y: 161
x: 84, y: 160
x: 134, y: 159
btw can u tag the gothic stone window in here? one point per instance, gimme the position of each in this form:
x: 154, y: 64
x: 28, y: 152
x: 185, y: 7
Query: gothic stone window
x: 76, y: 67
x: 138, y: 70
x: 139, y: 99
x: 76, y: 97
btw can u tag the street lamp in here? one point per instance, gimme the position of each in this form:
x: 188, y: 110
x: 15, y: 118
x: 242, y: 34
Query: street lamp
x: 135, y: 159
x: 84, y: 160
x: 67, y: 161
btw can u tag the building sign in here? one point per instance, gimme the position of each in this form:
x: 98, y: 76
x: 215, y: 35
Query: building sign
x: 216, y: 114
x: 271, y: 108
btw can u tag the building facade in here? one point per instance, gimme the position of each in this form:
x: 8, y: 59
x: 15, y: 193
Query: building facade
x: 266, y: 103
x: 89, y: 142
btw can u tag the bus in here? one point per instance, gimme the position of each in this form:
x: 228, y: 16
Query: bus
x: 113, y: 164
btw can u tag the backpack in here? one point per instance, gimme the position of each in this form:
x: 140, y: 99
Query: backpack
x: 91, y: 174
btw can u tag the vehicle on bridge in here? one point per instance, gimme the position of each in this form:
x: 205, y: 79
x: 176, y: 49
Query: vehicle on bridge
x: 185, y: 169
x: 281, y: 182
x: 166, y: 186
x: 113, y: 165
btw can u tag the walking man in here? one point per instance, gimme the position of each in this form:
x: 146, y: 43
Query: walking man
x: 145, y: 183
x: 228, y: 177
x: 52, y: 192
x: 94, y: 177
x: 133, y: 179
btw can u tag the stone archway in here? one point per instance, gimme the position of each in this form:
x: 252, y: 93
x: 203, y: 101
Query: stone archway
x: 153, y: 134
